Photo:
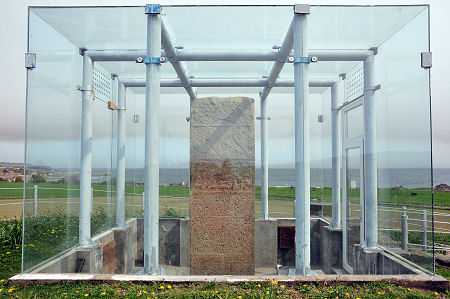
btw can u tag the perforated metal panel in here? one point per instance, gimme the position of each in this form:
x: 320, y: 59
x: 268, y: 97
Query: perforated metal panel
x: 354, y: 83
x: 102, y: 84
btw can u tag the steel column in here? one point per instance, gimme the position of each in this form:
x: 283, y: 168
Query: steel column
x: 370, y: 155
x: 151, y: 181
x: 264, y: 162
x: 302, y: 163
x: 336, y: 156
x: 121, y: 137
x: 86, y: 152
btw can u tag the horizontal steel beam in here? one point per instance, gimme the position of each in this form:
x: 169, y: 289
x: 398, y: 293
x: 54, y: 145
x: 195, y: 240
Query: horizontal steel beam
x: 227, y: 83
x: 229, y: 55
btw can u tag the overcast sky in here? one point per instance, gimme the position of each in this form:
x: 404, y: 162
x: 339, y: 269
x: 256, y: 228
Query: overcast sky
x: 13, y: 45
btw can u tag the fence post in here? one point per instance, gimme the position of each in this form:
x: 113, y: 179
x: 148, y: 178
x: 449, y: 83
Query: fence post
x: 404, y: 230
x: 424, y: 230
x: 143, y: 199
x: 35, y: 200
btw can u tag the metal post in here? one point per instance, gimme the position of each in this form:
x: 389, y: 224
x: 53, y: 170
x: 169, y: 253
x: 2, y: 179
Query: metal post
x: 264, y: 162
x: 336, y: 156
x: 370, y: 155
x: 143, y: 200
x: 35, y: 200
x: 120, y: 180
x: 86, y: 152
x: 404, y: 230
x: 302, y: 163
x: 151, y: 183
x: 424, y: 230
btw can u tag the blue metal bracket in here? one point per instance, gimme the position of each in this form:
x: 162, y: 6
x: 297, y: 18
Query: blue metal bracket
x: 152, y: 8
x: 151, y: 60
x: 292, y: 59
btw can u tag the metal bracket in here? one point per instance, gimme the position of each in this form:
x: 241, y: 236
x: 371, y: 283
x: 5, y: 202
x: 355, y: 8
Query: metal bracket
x: 426, y: 60
x: 85, y: 88
x: 81, y: 51
x: 374, y: 88
x: 152, y: 8
x: 343, y: 76
x: 114, y: 76
x: 151, y: 60
x: 302, y: 8
x: 136, y: 118
x: 261, y: 118
x: 292, y: 59
x: 374, y: 50
x: 30, y: 60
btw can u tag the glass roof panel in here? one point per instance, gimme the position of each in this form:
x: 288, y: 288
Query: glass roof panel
x: 228, y: 27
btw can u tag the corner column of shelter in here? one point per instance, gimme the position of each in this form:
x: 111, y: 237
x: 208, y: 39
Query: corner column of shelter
x: 152, y: 105
x: 87, y: 90
x: 302, y: 159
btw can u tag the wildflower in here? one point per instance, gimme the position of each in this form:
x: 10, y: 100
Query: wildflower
x: 161, y: 287
x: 347, y: 295
x: 436, y: 293
x: 305, y: 285
x: 259, y: 285
x: 380, y: 293
x: 409, y: 289
x: 1, y: 290
x: 268, y: 292
x: 11, y: 290
x: 85, y: 295
x: 169, y: 287
x: 274, y: 282
x: 103, y: 294
x: 8, y: 252
x: 64, y: 294
x: 2, y: 281
x: 282, y: 287
x: 145, y: 292
x: 76, y: 292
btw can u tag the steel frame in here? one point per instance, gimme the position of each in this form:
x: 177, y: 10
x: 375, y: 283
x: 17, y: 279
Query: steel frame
x: 295, y: 38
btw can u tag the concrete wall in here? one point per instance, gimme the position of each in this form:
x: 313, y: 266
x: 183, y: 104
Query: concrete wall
x: 120, y: 250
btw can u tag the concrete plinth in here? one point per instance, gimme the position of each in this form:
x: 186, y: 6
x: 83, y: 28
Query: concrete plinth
x: 266, y: 243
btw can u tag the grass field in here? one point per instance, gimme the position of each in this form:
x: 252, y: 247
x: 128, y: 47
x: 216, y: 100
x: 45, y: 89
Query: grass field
x: 400, y: 197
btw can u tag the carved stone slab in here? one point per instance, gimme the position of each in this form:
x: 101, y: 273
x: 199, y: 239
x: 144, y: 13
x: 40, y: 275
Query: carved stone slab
x: 222, y: 190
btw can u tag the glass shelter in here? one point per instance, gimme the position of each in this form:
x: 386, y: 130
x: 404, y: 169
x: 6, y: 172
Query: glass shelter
x: 186, y: 140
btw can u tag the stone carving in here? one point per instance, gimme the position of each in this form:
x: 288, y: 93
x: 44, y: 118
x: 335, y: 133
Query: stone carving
x: 222, y: 186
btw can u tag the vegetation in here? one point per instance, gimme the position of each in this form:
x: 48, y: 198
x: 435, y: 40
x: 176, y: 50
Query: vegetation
x: 421, y: 197
x: 10, y: 262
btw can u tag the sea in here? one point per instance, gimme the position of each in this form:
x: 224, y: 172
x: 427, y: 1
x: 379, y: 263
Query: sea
x: 387, y: 177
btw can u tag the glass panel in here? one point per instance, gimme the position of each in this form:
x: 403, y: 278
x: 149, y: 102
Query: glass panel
x: 403, y: 142
x: 54, y: 108
x: 353, y: 179
x: 355, y: 123
x: 52, y: 146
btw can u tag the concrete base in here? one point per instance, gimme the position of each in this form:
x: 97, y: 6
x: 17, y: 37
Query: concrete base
x: 380, y: 262
x: 435, y: 282
x: 120, y: 251
x: 266, y: 232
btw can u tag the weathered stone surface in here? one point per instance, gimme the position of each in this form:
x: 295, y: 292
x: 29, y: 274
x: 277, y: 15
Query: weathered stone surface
x: 222, y: 186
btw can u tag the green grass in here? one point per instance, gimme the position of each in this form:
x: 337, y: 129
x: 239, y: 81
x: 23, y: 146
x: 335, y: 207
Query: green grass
x: 385, y: 195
